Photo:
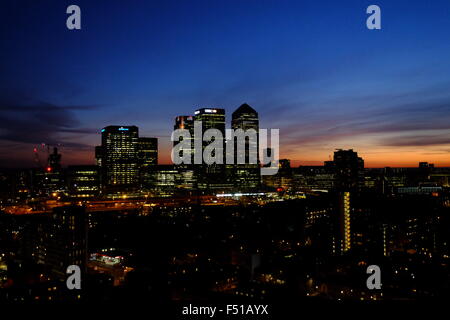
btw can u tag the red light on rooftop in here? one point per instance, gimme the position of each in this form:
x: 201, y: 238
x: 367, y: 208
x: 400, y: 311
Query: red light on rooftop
x: 49, y: 169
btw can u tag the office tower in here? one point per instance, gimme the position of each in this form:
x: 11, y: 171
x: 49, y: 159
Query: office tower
x: 211, y: 176
x: 246, y: 176
x: 148, y: 158
x: 148, y: 152
x: 83, y: 181
x: 211, y: 118
x: 349, y: 169
x: 246, y: 118
x: 187, y: 123
x: 66, y: 240
x: 119, y: 155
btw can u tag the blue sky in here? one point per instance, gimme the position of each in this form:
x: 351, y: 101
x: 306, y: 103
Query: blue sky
x: 310, y: 68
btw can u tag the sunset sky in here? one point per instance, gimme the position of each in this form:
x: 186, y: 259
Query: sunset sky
x: 310, y: 68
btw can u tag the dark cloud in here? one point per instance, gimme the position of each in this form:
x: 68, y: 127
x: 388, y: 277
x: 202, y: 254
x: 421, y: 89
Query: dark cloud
x: 41, y: 123
x: 418, y: 141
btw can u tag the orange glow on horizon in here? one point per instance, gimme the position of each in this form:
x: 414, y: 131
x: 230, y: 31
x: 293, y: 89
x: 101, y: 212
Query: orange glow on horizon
x: 306, y: 155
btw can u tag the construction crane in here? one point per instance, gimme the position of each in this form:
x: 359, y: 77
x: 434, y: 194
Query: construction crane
x: 37, y: 159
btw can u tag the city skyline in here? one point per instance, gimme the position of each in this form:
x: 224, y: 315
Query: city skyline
x: 381, y: 92
x: 43, y: 149
x: 224, y: 157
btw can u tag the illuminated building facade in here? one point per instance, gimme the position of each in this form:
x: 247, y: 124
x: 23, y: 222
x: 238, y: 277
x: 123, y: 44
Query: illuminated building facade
x: 83, y: 181
x: 345, y: 221
x: 211, y: 176
x: 161, y: 180
x: 211, y: 118
x: 120, y: 155
x: 246, y: 176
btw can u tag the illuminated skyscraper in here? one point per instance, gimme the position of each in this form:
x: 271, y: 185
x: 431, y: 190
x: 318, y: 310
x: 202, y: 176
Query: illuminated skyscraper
x: 119, y: 155
x: 246, y: 118
x: 211, y: 176
x: 211, y: 118
x: 246, y: 176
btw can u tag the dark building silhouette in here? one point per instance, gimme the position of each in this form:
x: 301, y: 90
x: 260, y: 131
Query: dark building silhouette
x: 50, y: 178
x: 99, y: 155
x: 148, y: 159
x: 54, y: 160
x: 56, y: 240
x: 349, y: 181
x: 66, y: 242
x: 148, y: 152
x: 283, y: 179
x: 349, y: 169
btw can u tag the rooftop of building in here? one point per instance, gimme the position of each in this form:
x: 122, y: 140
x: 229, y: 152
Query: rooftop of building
x: 244, y: 108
